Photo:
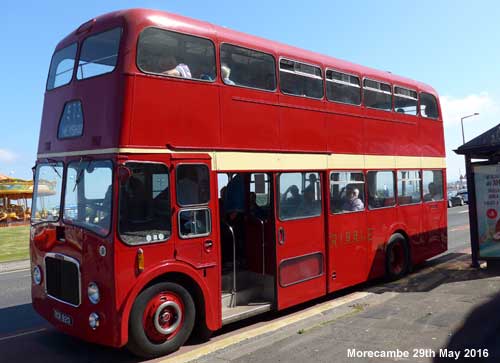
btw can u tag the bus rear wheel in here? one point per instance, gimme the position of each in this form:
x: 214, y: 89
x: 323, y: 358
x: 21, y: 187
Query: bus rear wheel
x: 161, y: 320
x: 397, y: 257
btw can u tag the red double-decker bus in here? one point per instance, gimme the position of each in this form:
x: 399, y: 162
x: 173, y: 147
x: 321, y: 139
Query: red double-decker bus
x: 189, y: 176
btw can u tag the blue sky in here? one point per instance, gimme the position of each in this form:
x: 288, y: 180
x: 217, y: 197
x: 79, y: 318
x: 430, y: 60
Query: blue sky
x: 451, y: 45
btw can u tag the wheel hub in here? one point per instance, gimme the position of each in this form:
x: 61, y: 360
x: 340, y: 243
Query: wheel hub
x: 163, y: 317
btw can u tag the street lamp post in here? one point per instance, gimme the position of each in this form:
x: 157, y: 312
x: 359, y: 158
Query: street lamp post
x: 462, y: 123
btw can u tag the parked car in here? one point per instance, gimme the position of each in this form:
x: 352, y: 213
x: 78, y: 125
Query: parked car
x: 458, y: 198
x: 464, y: 195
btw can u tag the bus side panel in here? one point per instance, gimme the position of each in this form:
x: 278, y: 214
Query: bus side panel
x: 250, y: 118
x: 302, y: 124
x: 348, y: 250
x: 380, y: 136
x: 176, y: 112
x: 406, y: 136
x: 345, y: 129
x: 431, y: 137
x: 379, y: 229
x: 411, y: 217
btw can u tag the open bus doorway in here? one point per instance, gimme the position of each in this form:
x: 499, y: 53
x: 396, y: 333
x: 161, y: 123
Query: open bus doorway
x: 247, y: 244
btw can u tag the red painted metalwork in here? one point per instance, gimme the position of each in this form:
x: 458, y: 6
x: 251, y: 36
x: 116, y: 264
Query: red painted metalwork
x: 130, y: 109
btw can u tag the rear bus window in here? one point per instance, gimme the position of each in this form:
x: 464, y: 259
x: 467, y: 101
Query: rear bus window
x: 99, y: 54
x: 174, y: 54
x: 61, y: 67
x: 381, y: 189
x: 377, y: 95
x: 405, y: 101
x: 342, y: 87
x: 247, y: 68
x: 300, y: 79
x: 433, y: 185
x: 428, y: 105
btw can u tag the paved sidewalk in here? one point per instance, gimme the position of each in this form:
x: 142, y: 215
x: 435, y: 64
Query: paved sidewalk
x: 14, y: 266
x: 417, y: 315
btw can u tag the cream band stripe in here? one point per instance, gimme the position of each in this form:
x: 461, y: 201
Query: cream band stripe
x: 235, y: 160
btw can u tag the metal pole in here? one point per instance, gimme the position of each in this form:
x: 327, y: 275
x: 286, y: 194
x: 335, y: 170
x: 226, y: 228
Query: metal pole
x: 472, y: 213
x: 463, y: 136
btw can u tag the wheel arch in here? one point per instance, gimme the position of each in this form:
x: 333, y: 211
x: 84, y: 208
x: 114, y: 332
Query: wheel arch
x: 185, y: 276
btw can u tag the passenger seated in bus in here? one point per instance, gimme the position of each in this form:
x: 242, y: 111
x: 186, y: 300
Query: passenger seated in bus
x: 175, y: 69
x: 400, y: 110
x: 309, y: 206
x: 294, y: 199
x: 226, y: 72
x: 352, y: 201
x: 433, y: 194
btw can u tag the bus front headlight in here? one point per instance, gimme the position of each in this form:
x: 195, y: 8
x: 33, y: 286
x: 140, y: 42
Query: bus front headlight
x: 94, y: 321
x: 37, y: 275
x: 93, y: 293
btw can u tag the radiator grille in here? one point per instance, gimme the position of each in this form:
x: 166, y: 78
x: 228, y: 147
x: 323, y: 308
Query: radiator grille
x: 62, y: 279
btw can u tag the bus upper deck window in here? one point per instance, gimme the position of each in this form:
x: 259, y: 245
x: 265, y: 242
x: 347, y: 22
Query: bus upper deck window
x: 174, y: 54
x: 405, y: 101
x: 343, y: 88
x: 61, y: 67
x: 247, y: 68
x: 428, y: 105
x: 301, y: 79
x: 377, y: 95
x: 99, y: 54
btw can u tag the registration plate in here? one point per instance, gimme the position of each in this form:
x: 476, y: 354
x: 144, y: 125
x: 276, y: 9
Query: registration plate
x: 63, y: 318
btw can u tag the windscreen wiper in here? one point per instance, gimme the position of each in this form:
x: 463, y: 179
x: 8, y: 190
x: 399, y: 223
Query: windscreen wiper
x: 51, y: 162
x: 80, y: 171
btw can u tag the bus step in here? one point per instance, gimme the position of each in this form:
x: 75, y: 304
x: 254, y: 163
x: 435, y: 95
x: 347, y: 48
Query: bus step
x: 230, y: 315
x: 227, y: 300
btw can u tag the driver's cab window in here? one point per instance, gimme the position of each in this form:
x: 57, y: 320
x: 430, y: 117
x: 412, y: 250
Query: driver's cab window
x: 144, y: 206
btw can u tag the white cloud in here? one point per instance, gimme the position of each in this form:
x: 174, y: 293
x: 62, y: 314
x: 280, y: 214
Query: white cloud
x: 455, y: 108
x: 7, y: 156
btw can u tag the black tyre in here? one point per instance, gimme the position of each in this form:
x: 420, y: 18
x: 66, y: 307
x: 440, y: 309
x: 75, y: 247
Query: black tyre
x: 201, y: 331
x: 397, y: 257
x: 161, y: 320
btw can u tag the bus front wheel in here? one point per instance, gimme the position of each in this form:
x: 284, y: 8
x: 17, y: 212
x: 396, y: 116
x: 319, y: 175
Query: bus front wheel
x: 397, y: 257
x: 161, y: 320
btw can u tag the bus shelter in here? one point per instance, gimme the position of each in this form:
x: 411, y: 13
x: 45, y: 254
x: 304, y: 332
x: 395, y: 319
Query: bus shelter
x: 482, y: 163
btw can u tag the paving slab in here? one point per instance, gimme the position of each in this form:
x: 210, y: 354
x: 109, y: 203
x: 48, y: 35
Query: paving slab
x: 416, y: 315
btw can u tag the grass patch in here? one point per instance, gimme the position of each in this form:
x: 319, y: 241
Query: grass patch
x: 14, y: 243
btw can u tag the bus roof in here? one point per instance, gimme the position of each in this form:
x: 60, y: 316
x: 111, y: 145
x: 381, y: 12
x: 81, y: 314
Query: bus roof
x: 141, y: 18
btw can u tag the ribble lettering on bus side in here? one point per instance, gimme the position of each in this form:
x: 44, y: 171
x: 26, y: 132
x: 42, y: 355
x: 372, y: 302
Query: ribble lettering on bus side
x: 351, y: 237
